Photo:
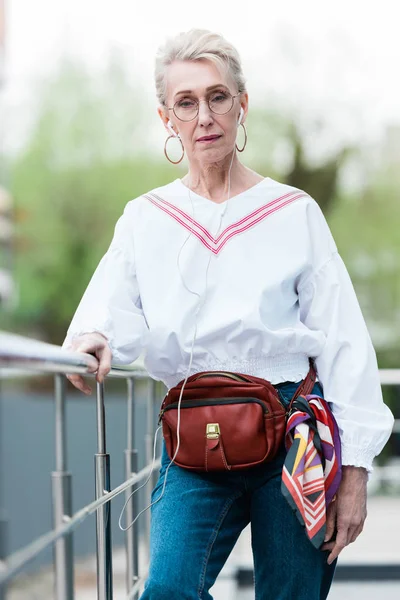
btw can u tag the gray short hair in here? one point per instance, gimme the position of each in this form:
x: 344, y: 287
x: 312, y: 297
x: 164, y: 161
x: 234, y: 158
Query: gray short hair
x: 198, y: 44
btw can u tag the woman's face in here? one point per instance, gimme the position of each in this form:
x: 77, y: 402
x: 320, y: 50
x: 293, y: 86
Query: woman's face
x: 209, y: 137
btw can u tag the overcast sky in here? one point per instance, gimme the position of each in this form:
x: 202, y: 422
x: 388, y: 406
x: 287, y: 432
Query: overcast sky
x: 341, y: 55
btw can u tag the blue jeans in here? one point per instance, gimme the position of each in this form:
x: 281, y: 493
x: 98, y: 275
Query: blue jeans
x: 195, y: 525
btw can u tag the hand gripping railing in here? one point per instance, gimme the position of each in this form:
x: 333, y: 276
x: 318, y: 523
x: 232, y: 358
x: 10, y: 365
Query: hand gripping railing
x: 23, y: 357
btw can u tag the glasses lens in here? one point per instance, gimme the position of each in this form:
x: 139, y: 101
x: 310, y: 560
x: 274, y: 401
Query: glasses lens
x: 186, y: 109
x: 220, y: 102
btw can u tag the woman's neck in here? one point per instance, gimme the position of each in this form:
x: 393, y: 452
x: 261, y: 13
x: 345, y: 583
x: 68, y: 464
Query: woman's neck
x: 212, y: 180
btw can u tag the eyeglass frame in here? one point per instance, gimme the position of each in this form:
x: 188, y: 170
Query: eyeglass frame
x: 198, y: 108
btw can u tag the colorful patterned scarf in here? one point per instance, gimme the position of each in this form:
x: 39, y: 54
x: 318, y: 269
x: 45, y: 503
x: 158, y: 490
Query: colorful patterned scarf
x: 312, y: 470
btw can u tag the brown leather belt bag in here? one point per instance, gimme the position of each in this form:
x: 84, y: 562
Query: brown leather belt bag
x: 228, y: 421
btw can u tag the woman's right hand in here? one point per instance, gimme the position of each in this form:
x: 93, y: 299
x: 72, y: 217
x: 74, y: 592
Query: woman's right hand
x: 97, y: 345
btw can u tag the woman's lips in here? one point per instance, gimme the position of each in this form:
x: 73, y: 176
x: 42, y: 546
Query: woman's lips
x: 208, y: 139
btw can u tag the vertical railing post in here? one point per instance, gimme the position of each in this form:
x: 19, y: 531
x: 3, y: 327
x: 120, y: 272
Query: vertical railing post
x: 131, y: 466
x: 149, y: 454
x: 3, y: 516
x: 103, y: 514
x: 3, y: 549
x: 62, y: 500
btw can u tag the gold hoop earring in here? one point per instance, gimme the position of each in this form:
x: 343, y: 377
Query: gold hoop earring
x: 245, y: 139
x: 174, y: 162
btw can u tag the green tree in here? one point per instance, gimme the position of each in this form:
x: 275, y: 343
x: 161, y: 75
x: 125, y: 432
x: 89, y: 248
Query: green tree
x: 70, y: 183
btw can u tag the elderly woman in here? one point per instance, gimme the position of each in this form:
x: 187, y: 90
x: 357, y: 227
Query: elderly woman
x: 226, y: 270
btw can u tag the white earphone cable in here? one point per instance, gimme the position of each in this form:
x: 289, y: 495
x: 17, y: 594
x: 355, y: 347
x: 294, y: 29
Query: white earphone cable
x: 199, y: 306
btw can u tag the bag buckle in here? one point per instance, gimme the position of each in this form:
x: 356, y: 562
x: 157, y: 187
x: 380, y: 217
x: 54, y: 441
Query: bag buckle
x: 212, y: 431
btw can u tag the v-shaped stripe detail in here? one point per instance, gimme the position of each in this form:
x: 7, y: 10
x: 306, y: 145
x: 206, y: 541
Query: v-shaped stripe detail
x: 215, y: 245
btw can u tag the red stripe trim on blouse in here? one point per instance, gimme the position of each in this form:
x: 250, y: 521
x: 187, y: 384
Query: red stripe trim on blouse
x: 248, y: 221
x: 207, y: 233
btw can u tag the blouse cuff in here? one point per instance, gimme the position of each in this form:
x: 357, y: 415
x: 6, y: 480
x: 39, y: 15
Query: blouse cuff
x: 102, y: 330
x: 358, y: 456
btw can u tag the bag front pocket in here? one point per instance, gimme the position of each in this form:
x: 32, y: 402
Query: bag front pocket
x: 241, y: 430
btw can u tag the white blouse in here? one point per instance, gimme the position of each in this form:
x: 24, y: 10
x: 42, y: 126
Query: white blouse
x: 277, y: 293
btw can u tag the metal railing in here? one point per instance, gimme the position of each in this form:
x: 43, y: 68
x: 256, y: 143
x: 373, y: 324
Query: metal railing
x: 21, y: 356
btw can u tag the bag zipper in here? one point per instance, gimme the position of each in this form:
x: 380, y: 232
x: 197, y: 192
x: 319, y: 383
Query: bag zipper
x: 222, y: 401
x: 222, y: 374
x: 236, y: 378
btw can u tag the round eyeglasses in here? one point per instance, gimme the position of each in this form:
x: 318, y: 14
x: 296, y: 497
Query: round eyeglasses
x: 187, y: 109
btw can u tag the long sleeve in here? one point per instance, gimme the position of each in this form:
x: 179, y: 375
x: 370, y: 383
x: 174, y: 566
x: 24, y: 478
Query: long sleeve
x: 111, y: 303
x: 347, y: 366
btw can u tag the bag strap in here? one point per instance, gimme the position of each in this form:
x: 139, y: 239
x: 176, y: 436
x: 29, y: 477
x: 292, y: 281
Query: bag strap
x: 307, y: 385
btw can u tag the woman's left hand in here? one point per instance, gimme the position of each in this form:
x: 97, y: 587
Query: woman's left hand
x: 347, y: 513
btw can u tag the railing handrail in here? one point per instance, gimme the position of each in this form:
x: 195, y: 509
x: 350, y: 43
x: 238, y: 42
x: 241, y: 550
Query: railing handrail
x: 23, y: 354
x: 27, y: 356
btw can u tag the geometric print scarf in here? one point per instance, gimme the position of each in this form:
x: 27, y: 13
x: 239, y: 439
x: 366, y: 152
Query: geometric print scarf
x: 312, y: 469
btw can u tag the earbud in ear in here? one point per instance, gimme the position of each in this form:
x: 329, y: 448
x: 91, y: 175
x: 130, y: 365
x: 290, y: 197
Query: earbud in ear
x: 170, y: 128
x: 240, y: 116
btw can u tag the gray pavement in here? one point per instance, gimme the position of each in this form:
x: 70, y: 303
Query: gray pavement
x: 365, y: 591
x: 346, y: 591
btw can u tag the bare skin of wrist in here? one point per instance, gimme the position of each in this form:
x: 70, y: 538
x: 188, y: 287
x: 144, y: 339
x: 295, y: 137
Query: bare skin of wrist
x: 96, y: 344
x: 347, y: 513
